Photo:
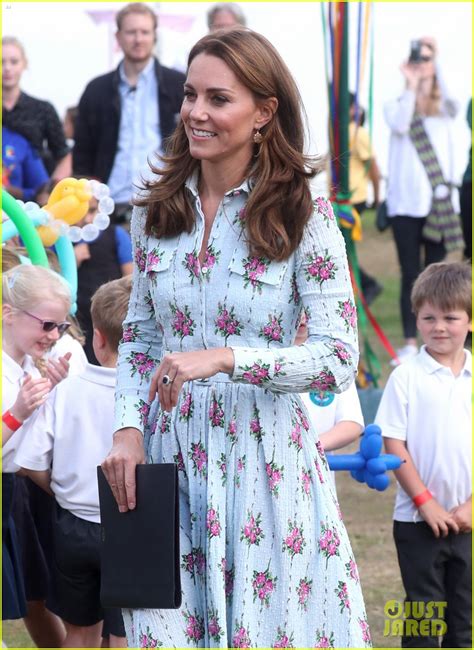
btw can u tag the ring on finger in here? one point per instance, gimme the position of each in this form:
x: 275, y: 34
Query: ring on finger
x: 167, y: 380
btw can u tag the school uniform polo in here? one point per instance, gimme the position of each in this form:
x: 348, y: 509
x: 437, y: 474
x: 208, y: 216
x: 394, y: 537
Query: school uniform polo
x: 425, y: 405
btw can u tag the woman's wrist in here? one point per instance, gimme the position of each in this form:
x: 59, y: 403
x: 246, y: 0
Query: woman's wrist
x: 227, y: 361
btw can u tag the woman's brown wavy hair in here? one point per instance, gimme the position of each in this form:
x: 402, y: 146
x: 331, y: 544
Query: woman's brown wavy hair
x: 280, y: 203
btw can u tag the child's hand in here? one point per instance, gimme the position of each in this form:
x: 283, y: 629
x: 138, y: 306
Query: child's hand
x: 58, y: 370
x: 82, y: 253
x: 463, y: 516
x: 438, y: 519
x: 32, y: 394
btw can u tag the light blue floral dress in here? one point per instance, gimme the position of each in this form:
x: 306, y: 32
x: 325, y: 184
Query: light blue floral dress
x: 265, y: 557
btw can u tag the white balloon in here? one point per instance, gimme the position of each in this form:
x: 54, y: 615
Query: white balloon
x: 102, y: 191
x: 102, y: 220
x: 21, y: 203
x: 90, y: 232
x: 30, y: 206
x: 106, y: 205
x: 61, y: 227
x: 94, y: 185
x: 44, y: 216
x: 75, y: 234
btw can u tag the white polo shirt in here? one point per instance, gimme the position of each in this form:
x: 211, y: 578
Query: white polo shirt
x: 427, y: 406
x: 336, y: 407
x: 12, y: 379
x: 71, y: 434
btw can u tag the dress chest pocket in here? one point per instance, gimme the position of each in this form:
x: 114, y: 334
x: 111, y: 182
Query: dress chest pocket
x: 159, y: 256
x: 257, y: 272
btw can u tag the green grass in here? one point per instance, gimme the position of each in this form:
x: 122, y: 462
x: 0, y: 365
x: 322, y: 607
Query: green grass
x: 367, y: 513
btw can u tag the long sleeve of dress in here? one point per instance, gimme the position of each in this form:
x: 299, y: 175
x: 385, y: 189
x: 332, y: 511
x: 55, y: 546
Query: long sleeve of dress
x: 140, y: 348
x: 328, y: 359
x: 399, y: 112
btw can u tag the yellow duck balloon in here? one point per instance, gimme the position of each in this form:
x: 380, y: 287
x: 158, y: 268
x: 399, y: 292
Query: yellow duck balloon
x: 68, y: 202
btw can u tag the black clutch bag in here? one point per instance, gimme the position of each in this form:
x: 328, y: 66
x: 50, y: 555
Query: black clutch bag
x: 139, y: 549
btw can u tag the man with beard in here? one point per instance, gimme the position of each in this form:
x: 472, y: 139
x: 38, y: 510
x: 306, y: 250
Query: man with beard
x: 126, y: 115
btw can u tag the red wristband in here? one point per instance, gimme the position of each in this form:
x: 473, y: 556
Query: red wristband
x: 422, y: 498
x: 10, y: 420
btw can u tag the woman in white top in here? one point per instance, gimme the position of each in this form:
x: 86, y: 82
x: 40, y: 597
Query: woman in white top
x: 410, y: 193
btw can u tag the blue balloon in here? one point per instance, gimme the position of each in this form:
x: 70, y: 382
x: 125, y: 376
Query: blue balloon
x: 376, y: 465
x: 372, y: 429
x: 381, y: 482
x: 392, y: 461
x: 371, y: 446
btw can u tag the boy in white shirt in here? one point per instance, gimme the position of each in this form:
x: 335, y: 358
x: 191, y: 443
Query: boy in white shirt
x: 66, y: 439
x: 425, y: 417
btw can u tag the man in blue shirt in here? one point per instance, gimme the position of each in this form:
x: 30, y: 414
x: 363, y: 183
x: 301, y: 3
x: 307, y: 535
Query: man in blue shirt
x: 126, y: 115
x: 23, y: 171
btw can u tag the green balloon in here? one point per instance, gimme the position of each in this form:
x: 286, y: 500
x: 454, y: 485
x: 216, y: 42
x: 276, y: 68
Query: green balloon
x: 26, y: 230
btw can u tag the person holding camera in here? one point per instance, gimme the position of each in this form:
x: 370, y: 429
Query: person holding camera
x: 421, y: 175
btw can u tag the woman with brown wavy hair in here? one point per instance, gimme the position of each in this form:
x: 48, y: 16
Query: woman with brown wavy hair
x: 229, y: 249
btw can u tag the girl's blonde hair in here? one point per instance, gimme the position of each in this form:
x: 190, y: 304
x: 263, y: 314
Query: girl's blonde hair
x: 27, y: 285
x: 12, y: 40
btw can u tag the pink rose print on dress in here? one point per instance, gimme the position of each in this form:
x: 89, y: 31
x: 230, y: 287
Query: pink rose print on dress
x: 283, y: 640
x: 198, y: 456
x: 241, y: 463
x: 231, y: 431
x: 294, y: 542
x: 303, y: 590
x: 364, y: 626
x: 263, y: 584
x: 275, y: 476
x: 213, y: 626
x: 149, y: 303
x: 251, y: 532
x: 141, y: 363
x: 222, y: 465
x: 295, y: 439
x: 343, y: 595
x: 324, y: 641
x: 140, y: 259
x: 216, y: 412
x: 322, y: 454
x: 273, y: 331
x: 182, y: 323
x: 153, y: 258
x: 229, y: 575
x: 194, y: 629
x: 256, y: 430
x: 226, y: 324
x: 279, y: 363
x: 130, y: 334
x: 323, y: 381
x: 302, y: 418
x: 351, y: 570
x: 165, y: 424
x: 191, y: 264
x: 239, y: 218
x: 194, y: 562
x: 143, y: 409
x: 348, y: 312
x: 295, y: 297
x: 306, y: 481
x: 186, y: 408
x: 329, y: 542
x: 320, y: 268
x: 254, y: 267
x: 146, y: 640
x: 324, y: 208
x: 256, y: 374
x: 340, y: 352
x: 318, y: 471
x: 241, y: 637
x: 213, y: 524
x: 210, y: 259
x: 179, y: 460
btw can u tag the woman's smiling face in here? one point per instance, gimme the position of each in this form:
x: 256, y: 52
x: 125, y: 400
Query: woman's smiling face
x: 219, y: 113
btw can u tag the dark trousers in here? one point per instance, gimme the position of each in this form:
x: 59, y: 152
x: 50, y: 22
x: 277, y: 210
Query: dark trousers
x: 465, y: 200
x: 407, y: 232
x: 437, y: 569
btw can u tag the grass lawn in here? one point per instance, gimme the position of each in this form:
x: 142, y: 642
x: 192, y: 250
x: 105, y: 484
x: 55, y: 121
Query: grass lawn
x: 367, y: 513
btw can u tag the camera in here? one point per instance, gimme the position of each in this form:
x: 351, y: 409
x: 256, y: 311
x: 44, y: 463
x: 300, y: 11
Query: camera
x: 415, y: 52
